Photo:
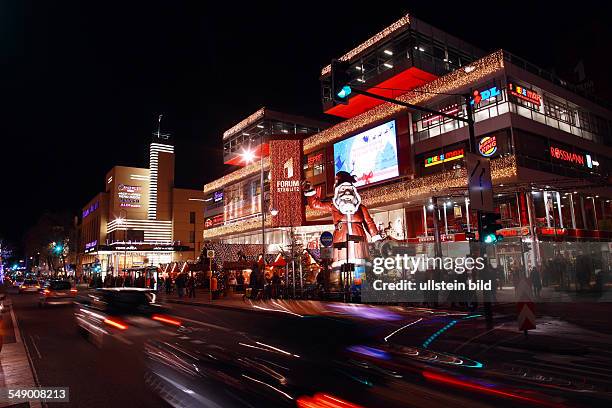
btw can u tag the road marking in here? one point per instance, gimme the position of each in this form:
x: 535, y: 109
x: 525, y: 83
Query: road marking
x: 402, y: 328
x: 214, y: 326
x: 35, y: 347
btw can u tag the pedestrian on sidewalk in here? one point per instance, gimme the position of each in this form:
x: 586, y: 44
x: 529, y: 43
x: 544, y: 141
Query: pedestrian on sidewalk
x: 232, y: 283
x: 152, y: 282
x: 168, y: 283
x: 276, y: 283
x: 254, y: 281
x: 536, y: 282
x: 191, y: 287
x: 180, y: 285
x: 240, y: 282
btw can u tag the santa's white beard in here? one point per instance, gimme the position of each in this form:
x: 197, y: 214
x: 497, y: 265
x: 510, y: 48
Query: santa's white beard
x: 346, y: 198
x: 346, y: 207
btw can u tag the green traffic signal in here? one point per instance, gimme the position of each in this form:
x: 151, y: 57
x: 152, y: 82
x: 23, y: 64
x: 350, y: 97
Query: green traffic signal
x: 344, y: 92
x: 490, y: 238
x: 340, y: 79
x: 490, y: 224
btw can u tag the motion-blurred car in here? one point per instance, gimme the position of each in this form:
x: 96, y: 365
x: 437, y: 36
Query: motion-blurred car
x: 29, y: 286
x: 56, y: 292
x: 323, y: 362
x: 122, y: 314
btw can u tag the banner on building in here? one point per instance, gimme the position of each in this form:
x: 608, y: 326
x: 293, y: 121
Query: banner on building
x: 285, y: 183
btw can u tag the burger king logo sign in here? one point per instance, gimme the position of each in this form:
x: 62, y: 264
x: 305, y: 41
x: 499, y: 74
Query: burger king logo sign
x: 487, y: 146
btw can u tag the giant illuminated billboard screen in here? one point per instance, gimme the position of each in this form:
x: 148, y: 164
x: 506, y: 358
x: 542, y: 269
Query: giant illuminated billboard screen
x: 370, y: 156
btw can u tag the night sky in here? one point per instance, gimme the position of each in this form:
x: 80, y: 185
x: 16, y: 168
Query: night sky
x: 83, y: 82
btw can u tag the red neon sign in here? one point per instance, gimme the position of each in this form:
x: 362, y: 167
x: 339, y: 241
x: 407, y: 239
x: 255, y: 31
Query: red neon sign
x: 524, y: 94
x: 552, y: 231
x: 566, y: 156
x: 315, y: 159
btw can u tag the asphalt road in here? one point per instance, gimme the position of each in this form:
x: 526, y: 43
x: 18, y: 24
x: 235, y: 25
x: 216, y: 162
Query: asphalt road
x: 63, y: 358
x: 114, y: 378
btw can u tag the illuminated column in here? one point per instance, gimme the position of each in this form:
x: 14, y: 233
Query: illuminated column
x: 583, y: 213
x: 425, y: 219
x: 595, y: 214
x: 572, y: 211
x: 445, y: 220
x: 559, y: 208
x: 547, y: 209
x: 154, y: 151
x: 467, y: 214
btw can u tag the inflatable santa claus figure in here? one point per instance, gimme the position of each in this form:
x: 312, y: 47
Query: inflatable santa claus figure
x: 350, y: 217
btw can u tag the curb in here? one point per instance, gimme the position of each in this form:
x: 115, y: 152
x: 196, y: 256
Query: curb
x: 224, y: 307
x: 211, y: 305
x: 247, y: 307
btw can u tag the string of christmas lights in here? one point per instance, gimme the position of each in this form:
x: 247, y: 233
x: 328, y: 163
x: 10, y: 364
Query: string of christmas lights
x: 245, y: 122
x: 371, y: 41
x: 246, y: 171
x: 251, y: 224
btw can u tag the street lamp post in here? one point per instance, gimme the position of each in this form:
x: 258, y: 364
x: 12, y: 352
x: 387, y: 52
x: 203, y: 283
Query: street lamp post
x: 263, y: 212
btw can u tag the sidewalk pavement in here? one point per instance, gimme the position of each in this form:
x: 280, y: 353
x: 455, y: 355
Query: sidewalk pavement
x: 203, y: 298
x: 15, y: 368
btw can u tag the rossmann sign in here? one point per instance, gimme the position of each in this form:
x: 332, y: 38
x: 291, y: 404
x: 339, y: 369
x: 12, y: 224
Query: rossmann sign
x: 566, y: 156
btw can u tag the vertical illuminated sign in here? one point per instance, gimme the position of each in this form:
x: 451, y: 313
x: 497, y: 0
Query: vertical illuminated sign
x: 285, y: 183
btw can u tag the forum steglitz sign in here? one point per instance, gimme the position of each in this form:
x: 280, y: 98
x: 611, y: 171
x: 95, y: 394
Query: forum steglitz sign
x: 285, y: 183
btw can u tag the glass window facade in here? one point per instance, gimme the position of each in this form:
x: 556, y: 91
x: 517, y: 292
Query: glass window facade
x: 243, y: 200
x: 314, y: 164
x: 411, y: 48
x: 252, y: 135
x: 535, y: 104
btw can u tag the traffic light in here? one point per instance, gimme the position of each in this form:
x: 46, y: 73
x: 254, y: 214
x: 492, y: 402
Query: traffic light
x: 489, y: 224
x: 340, y: 81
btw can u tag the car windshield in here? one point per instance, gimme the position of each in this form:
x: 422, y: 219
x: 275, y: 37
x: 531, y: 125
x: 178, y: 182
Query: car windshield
x: 59, y: 285
x: 30, y: 282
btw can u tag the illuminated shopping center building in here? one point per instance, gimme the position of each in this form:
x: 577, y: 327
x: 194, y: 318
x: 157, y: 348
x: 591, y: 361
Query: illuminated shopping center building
x: 549, y: 144
x: 141, y: 219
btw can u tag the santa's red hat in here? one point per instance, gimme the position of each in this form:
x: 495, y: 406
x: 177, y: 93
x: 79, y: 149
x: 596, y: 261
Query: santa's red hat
x: 344, y: 177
